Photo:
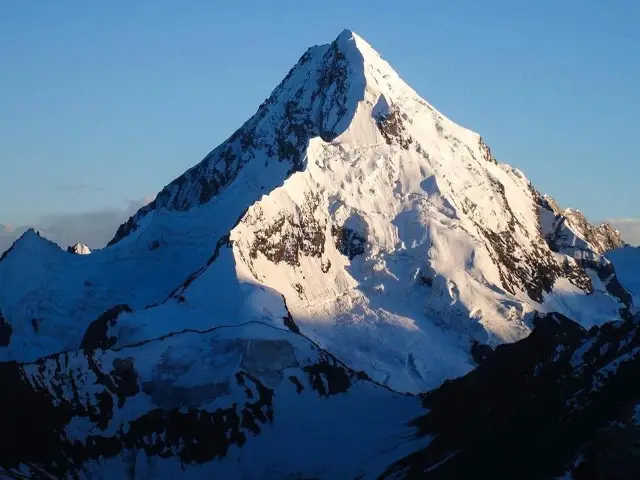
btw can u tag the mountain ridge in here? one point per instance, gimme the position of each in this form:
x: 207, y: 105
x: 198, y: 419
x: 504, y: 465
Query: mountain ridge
x: 346, y: 249
x: 293, y: 192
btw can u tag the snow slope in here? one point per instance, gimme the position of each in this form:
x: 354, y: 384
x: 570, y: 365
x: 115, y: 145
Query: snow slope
x: 347, y: 207
x: 627, y: 263
x: 249, y: 402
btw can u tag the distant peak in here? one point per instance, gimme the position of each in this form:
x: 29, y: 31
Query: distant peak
x: 31, y: 236
x: 30, y: 240
x: 79, y: 249
x: 30, y: 232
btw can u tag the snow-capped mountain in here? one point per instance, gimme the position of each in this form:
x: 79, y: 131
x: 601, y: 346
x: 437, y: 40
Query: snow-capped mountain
x: 79, y: 249
x: 394, y: 236
x: 348, y: 242
x: 387, y: 227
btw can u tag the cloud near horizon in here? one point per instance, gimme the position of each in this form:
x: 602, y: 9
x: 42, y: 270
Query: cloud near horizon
x: 96, y: 228
x: 629, y: 228
x: 93, y: 228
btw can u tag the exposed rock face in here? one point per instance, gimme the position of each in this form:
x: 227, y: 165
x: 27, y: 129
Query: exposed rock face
x: 97, y: 334
x: 569, y: 231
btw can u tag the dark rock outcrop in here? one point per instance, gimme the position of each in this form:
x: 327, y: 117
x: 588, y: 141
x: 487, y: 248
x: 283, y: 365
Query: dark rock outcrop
x: 481, y: 353
x: 6, y: 330
x: 535, y: 407
x: 348, y: 242
x: 97, y: 334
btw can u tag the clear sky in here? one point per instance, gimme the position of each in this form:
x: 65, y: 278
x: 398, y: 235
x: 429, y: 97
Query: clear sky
x: 103, y: 103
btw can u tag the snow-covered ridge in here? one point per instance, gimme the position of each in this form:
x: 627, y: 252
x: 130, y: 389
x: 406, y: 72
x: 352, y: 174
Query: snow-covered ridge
x: 316, y: 98
x: 389, y: 235
x: 251, y: 400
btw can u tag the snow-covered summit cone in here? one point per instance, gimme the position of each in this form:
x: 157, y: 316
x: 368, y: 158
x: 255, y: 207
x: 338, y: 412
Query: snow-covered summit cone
x: 79, y: 249
x: 393, y: 234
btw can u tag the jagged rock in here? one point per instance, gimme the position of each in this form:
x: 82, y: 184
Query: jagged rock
x: 480, y: 352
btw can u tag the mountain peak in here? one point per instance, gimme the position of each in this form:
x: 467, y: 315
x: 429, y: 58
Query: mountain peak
x: 319, y: 97
x: 30, y: 241
x: 347, y: 34
x: 349, y: 41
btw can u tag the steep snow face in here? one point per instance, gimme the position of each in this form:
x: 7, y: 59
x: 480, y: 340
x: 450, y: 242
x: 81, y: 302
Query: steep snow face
x: 404, y: 237
x: 347, y: 207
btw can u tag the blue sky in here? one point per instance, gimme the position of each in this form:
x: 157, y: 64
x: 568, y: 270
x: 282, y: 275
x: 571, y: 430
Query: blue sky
x: 103, y: 103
